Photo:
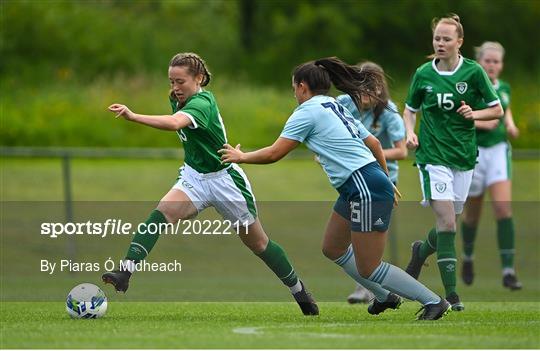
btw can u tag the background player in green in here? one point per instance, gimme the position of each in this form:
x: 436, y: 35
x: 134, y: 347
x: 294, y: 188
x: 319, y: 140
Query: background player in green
x: 381, y: 119
x: 492, y: 172
x: 448, y: 89
x: 204, y: 180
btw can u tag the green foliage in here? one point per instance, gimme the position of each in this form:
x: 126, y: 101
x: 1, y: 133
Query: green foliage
x: 73, y: 114
x: 64, y: 62
x: 82, y: 39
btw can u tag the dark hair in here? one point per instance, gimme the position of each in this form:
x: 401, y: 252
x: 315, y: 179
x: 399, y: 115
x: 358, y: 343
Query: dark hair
x: 320, y: 74
x: 195, y: 65
x: 379, y: 88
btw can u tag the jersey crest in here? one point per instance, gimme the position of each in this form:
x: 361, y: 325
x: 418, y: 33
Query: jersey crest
x: 461, y: 87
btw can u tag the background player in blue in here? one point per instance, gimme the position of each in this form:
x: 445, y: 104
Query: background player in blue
x: 381, y: 119
x: 354, y: 162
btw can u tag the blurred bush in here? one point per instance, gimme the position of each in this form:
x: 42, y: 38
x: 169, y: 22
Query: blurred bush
x: 63, y: 62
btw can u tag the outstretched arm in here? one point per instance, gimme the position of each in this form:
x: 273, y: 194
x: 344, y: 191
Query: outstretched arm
x: 269, y: 154
x: 165, y: 122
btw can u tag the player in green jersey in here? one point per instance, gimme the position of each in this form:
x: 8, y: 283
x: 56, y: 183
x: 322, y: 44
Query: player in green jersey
x: 492, y: 172
x: 452, y: 93
x: 204, y: 181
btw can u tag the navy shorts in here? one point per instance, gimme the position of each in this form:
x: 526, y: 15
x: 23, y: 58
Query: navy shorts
x: 366, y: 199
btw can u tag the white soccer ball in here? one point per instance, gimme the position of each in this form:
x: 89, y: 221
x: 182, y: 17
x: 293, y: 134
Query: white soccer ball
x: 86, y: 301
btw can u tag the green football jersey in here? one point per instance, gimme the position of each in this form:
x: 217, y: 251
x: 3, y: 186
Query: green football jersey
x: 487, y: 138
x: 206, y: 136
x: 447, y: 138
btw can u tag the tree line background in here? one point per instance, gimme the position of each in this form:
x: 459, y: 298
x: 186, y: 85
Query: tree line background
x: 63, y: 62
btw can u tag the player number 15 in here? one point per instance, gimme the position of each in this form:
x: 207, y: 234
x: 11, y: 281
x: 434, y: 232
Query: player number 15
x: 444, y: 101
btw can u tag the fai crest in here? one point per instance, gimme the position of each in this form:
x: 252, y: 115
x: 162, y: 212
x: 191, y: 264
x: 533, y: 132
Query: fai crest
x: 441, y: 187
x: 461, y: 87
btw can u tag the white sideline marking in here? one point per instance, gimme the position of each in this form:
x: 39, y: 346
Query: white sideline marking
x: 248, y: 330
x: 258, y: 331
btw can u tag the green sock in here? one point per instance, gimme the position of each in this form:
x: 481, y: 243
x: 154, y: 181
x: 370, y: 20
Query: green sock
x: 446, y: 260
x: 142, y: 243
x: 429, y: 246
x: 469, y: 235
x: 276, y: 259
x: 505, y: 236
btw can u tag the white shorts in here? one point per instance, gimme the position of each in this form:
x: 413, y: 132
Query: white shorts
x: 494, y: 165
x: 443, y: 183
x: 228, y: 191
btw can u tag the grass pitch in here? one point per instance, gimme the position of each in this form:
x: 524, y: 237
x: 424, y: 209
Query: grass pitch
x: 499, y: 318
x: 268, y: 325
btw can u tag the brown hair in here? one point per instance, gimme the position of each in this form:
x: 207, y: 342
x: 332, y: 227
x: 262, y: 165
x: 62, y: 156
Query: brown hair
x: 320, y: 74
x: 195, y: 65
x: 379, y: 88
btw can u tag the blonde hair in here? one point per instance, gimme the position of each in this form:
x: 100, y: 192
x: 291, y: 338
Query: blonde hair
x: 488, y: 45
x: 452, y: 19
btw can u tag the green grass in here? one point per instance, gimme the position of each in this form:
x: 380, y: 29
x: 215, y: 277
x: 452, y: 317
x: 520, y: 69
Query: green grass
x: 294, y: 201
x: 268, y: 325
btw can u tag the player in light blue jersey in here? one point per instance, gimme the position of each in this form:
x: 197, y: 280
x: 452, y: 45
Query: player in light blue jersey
x: 381, y: 119
x: 354, y: 162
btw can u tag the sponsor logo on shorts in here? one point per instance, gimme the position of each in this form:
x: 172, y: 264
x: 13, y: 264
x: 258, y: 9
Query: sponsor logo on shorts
x: 378, y: 222
x: 440, y: 187
x: 461, y: 87
x: 429, y: 89
x: 187, y: 185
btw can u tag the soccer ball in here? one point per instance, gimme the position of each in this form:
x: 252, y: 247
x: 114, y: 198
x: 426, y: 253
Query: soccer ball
x: 86, y: 301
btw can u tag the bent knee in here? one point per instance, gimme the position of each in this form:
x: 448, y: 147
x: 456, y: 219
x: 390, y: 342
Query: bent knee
x: 257, y: 246
x: 502, y: 210
x: 168, y: 211
x: 332, y: 252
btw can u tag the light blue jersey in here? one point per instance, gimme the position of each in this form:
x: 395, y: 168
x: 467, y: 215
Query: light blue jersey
x: 390, y: 127
x: 330, y: 131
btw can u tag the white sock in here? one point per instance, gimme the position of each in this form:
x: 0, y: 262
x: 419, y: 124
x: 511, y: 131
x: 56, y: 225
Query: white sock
x: 129, y: 265
x: 296, y: 287
x: 348, y: 263
x: 507, y: 270
x: 397, y: 281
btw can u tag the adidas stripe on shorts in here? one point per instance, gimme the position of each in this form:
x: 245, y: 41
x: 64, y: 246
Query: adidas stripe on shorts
x: 366, y: 199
